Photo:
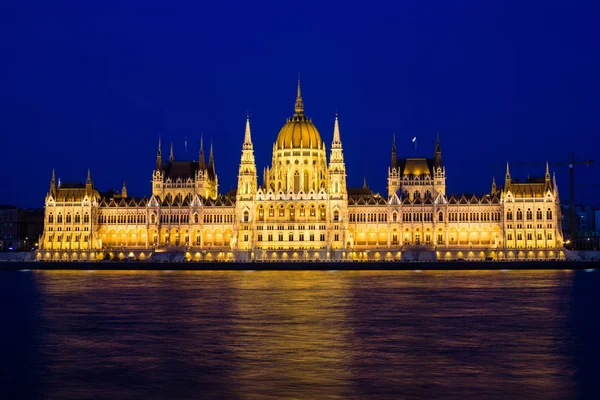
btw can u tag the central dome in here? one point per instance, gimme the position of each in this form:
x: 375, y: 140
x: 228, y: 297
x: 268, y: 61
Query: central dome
x: 299, y: 131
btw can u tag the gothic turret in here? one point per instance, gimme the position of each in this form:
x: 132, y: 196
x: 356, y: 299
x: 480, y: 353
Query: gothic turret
x: 53, y: 185
x: 507, y: 179
x: 337, y: 167
x: 159, y: 157
x: 437, y: 158
x: 201, y: 158
x: 247, y: 179
x: 89, y: 186
x: 124, y: 190
x: 394, y: 163
x: 172, y: 155
x: 548, y: 178
x: 393, y: 170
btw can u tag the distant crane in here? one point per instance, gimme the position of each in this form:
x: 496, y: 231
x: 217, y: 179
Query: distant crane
x: 571, y: 164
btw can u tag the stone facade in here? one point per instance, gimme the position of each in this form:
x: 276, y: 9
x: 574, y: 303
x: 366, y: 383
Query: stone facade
x: 303, y: 211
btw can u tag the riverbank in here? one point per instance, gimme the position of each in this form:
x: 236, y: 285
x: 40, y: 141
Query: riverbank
x: 302, y: 266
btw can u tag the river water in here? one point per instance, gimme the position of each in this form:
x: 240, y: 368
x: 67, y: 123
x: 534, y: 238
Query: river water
x: 300, y: 335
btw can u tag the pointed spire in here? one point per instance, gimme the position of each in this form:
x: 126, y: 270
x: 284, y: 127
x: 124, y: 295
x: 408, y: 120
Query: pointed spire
x: 507, y: 171
x: 299, y: 108
x: 201, y: 159
x: 53, y: 184
x: 365, y: 183
x: 88, y: 183
x: 336, y: 132
x: 211, y: 158
x: 124, y: 190
x: 547, y: 170
x: 159, y: 156
x: 493, y: 185
x: 247, y: 136
x: 438, y: 152
x: 507, y: 177
x: 394, y: 159
x: 172, y: 156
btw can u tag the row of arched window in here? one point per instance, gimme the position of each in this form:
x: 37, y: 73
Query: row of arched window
x: 292, y: 212
x: 122, y: 219
x: 368, y: 217
x: 528, y: 214
x: 472, y: 216
x: 68, y: 218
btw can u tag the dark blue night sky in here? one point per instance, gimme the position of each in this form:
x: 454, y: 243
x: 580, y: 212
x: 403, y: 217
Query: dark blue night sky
x: 94, y: 84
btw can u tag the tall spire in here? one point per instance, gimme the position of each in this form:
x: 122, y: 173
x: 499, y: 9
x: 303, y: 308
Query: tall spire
x: 547, y: 170
x: 171, y: 156
x: 159, y: 156
x: 365, y: 183
x: 124, y: 190
x: 211, y: 158
x: 53, y: 184
x: 394, y: 159
x: 337, y: 142
x: 88, y: 184
x: 201, y: 159
x: 507, y: 177
x: 299, y: 108
x: 247, y: 137
x: 493, y: 185
x: 438, y: 152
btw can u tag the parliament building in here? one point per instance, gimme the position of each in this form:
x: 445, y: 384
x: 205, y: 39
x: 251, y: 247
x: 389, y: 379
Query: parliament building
x: 302, y: 210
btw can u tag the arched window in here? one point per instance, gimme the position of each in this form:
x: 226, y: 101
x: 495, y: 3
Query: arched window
x: 336, y: 216
x: 394, y: 217
x: 296, y: 182
x: 441, y: 216
x: 529, y: 214
x: 417, y: 194
x: 50, y: 218
x: 519, y: 215
x: 313, y: 211
x: 246, y: 216
x: 538, y: 214
x: 306, y: 182
x: 322, y: 214
x: 428, y: 194
x: 153, y: 219
x: 509, y: 215
x: 59, y: 218
x: 549, y: 214
x: 77, y: 218
x: 68, y: 218
x: 261, y: 213
x: 271, y: 211
x: 302, y: 210
x: 195, y: 218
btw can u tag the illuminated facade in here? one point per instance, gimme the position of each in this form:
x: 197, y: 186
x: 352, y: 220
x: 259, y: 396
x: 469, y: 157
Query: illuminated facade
x: 302, y: 211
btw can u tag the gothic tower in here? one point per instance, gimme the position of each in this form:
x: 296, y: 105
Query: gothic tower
x: 247, y: 180
x: 393, y: 171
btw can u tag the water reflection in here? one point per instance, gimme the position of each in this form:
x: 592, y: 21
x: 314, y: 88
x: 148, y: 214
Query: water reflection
x: 292, y: 335
x: 363, y: 335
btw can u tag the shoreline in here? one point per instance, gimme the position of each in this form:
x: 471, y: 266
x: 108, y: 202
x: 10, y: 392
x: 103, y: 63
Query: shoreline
x: 300, y: 266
